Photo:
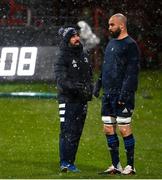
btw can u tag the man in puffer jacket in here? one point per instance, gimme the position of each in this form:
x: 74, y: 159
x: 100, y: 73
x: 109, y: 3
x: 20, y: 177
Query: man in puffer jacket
x: 73, y: 76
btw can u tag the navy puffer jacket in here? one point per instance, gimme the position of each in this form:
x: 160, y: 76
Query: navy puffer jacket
x: 73, y: 68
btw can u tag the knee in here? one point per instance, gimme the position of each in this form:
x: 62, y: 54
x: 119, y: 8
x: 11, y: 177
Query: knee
x: 125, y: 130
x: 108, y: 129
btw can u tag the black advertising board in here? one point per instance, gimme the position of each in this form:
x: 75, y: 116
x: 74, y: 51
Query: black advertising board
x: 27, y: 63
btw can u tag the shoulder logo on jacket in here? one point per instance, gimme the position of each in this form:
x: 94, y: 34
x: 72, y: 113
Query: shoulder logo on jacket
x: 74, y: 63
x: 85, y: 59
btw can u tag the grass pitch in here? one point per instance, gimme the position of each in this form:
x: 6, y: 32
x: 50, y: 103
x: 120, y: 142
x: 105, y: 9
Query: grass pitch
x: 29, y: 131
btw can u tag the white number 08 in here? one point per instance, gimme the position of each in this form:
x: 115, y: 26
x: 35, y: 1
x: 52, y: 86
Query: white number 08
x: 21, y: 60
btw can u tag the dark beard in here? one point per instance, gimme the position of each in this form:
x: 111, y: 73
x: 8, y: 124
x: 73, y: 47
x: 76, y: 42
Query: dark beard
x: 76, y: 44
x: 76, y: 47
x: 115, y: 34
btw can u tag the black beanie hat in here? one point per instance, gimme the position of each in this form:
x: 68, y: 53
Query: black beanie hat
x: 67, y: 33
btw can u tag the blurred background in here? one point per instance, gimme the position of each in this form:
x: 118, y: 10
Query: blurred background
x: 34, y: 23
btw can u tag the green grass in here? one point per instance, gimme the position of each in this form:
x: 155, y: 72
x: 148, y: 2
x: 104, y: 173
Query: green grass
x: 29, y: 131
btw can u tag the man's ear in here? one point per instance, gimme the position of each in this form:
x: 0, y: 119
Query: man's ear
x: 122, y: 26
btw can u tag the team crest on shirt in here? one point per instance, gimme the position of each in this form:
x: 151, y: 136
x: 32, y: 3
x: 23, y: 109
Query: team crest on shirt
x: 74, y: 63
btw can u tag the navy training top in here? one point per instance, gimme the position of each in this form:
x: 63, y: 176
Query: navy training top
x: 120, y: 67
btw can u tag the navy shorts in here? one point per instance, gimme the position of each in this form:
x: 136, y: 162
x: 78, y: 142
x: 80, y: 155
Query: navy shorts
x: 113, y: 113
